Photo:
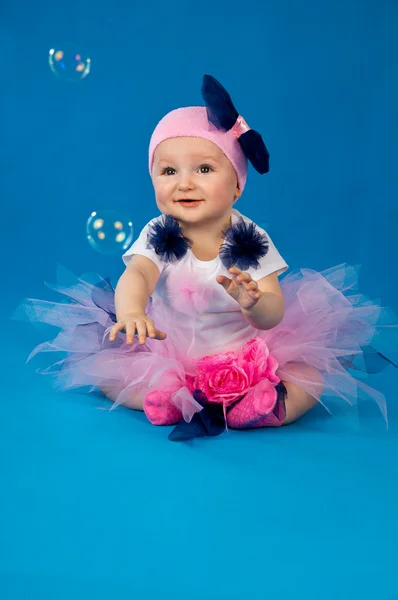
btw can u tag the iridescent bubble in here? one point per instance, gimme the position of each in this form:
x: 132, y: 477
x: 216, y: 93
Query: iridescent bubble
x: 68, y: 62
x: 109, y: 232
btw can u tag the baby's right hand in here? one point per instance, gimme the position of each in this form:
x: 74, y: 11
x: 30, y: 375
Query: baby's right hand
x: 138, y: 323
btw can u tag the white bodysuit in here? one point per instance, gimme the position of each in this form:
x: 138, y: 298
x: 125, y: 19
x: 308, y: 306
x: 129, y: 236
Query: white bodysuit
x: 196, y: 303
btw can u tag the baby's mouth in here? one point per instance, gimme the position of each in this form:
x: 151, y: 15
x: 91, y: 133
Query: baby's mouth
x: 189, y: 203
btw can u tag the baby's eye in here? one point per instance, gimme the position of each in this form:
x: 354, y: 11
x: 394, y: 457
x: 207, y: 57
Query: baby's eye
x: 171, y: 171
x: 206, y: 167
x: 165, y: 171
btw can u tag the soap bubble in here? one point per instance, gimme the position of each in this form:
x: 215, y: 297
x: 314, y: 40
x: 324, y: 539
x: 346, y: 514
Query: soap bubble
x: 109, y: 232
x: 68, y: 62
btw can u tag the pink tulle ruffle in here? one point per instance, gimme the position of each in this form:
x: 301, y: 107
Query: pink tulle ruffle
x: 327, y: 326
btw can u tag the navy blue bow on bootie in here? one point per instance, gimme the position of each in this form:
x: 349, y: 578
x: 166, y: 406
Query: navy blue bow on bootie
x: 210, y: 421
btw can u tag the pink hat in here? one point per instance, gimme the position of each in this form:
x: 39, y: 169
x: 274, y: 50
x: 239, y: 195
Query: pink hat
x: 220, y: 123
x: 192, y: 121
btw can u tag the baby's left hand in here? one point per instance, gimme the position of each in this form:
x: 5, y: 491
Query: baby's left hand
x: 241, y: 288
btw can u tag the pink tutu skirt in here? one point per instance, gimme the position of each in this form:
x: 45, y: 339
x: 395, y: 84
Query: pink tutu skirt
x: 327, y: 325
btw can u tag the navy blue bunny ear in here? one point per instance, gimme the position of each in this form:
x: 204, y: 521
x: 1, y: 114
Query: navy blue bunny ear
x: 222, y: 113
x: 255, y: 150
x: 243, y: 246
x: 220, y: 109
x: 167, y: 239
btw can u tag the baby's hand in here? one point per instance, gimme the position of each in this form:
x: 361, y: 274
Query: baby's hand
x: 139, y: 323
x: 241, y: 288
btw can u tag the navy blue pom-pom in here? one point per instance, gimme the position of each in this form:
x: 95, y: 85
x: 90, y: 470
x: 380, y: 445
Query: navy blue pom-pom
x: 167, y: 239
x: 243, y: 246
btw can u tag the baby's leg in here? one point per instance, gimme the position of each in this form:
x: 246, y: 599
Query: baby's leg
x: 113, y: 390
x: 156, y: 405
x: 297, y: 403
x: 112, y: 386
x: 255, y: 410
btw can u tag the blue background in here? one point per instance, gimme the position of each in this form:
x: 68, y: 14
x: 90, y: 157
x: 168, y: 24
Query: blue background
x: 98, y: 504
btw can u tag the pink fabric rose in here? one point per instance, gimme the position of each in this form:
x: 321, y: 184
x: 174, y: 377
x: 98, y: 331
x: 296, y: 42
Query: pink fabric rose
x: 222, y: 379
x: 226, y: 377
x: 256, y: 352
x: 190, y: 382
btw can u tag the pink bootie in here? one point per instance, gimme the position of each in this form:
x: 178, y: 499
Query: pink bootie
x: 263, y: 406
x: 160, y: 410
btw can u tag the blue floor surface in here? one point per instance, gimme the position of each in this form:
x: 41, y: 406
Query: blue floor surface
x: 101, y: 505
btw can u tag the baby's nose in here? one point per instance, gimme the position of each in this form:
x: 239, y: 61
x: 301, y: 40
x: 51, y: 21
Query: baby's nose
x: 185, y: 182
x: 185, y: 187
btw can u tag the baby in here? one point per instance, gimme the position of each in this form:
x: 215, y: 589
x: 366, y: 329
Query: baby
x: 200, y: 332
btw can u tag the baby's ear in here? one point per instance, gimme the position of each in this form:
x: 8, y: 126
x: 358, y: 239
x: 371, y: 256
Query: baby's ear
x: 238, y: 192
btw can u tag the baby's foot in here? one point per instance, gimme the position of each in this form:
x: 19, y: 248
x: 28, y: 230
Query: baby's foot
x: 263, y: 406
x: 160, y: 410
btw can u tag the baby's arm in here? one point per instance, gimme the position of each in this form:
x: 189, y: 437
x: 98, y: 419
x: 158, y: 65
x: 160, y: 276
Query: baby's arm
x: 261, y: 301
x: 269, y: 310
x: 133, y: 290
x: 135, y: 286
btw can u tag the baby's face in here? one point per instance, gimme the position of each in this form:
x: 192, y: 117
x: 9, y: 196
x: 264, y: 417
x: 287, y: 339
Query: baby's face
x: 195, y: 169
